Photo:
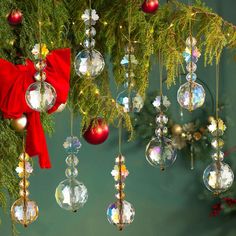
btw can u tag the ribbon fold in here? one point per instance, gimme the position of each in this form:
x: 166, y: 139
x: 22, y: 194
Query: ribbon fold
x: 15, y: 80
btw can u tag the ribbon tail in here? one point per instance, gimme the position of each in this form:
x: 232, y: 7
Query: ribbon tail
x: 36, y: 141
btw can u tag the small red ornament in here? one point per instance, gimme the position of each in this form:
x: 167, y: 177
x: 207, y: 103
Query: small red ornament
x: 15, y: 17
x: 150, y: 6
x: 98, y: 133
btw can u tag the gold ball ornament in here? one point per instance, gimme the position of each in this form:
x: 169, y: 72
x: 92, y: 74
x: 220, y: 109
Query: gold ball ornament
x: 61, y: 108
x: 197, y: 136
x: 176, y: 129
x: 19, y: 124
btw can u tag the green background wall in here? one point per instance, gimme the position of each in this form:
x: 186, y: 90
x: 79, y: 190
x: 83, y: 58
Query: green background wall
x: 167, y: 204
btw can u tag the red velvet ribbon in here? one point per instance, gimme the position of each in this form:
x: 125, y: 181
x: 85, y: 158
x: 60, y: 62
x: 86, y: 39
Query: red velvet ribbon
x: 14, y: 81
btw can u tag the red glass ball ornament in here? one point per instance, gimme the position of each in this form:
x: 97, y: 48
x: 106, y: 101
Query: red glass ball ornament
x: 15, y: 17
x: 98, y: 133
x: 150, y: 6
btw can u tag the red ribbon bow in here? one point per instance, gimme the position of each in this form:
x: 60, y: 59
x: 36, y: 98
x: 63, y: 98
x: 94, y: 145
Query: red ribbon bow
x: 14, y: 81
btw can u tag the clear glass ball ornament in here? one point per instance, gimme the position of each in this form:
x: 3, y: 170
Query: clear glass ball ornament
x: 71, y: 194
x: 191, y: 96
x: 24, y: 211
x: 41, y: 96
x: 218, y: 177
x: 89, y: 63
x: 120, y: 214
x: 130, y: 101
x: 160, y: 152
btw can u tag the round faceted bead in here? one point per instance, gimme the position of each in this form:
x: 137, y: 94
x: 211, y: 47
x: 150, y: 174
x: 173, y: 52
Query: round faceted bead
x: 129, y: 49
x: 191, y: 41
x: 191, y: 96
x: 162, y: 119
x: 24, y: 193
x: 217, y: 133
x: 191, y: 77
x: 129, y: 75
x: 120, y: 186
x: 71, y: 172
x: 90, y: 32
x: 218, y: 177
x: 23, y: 183
x: 89, y: 43
x: 120, y: 196
x: 24, y: 157
x: 217, y: 143
x: 40, y: 76
x: 40, y: 65
x: 72, y: 160
x: 191, y: 67
x: 218, y: 156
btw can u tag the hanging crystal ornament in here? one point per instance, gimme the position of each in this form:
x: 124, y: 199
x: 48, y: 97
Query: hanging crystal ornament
x: 218, y: 176
x: 129, y: 99
x: 24, y: 211
x: 40, y: 96
x: 71, y: 194
x: 89, y: 63
x: 191, y: 95
x: 120, y: 213
x: 160, y: 151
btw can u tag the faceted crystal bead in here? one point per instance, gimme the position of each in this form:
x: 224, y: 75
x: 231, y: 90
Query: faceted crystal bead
x: 71, y: 172
x: 191, y: 67
x: 191, y: 41
x: 191, y: 96
x: 40, y: 65
x: 162, y: 119
x: 218, y: 156
x: 89, y: 63
x: 118, y: 186
x: 40, y: 76
x: 24, y: 193
x: 120, y: 196
x: 218, y: 177
x: 89, y: 43
x: 160, y: 152
x: 129, y: 49
x: 23, y: 183
x: 41, y: 96
x: 72, y: 160
x: 217, y: 143
x: 24, y: 157
x: 191, y: 77
x: 90, y: 32
x: 71, y: 194
x: 120, y: 214
x: 24, y: 212
x: 72, y: 145
x: 129, y: 75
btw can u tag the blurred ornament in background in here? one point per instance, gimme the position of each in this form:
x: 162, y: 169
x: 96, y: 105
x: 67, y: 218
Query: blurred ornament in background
x: 89, y: 63
x: 150, y: 6
x: 97, y: 132
x: 15, y: 17
x: 71, y: 194
x: 19, y: 124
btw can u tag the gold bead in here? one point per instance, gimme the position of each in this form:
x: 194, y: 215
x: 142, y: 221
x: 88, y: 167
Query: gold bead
x: 176, y: 129
x: 197, y: 136
x: 24, y: 157
x: 24, y: 193
x: 22, y: 183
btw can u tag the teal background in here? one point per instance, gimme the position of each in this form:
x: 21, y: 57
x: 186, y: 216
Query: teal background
x: 167, y: 204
